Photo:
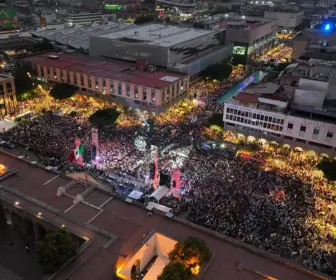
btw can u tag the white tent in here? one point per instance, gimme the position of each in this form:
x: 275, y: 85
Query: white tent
x: 159, y: 193
x: 135, y: 194
x: 162, y: 208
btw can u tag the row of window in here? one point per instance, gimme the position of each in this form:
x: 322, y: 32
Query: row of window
x: 255, y: 116
x: 265, y: 125
x: 95, y: 85
x: 316, y: 131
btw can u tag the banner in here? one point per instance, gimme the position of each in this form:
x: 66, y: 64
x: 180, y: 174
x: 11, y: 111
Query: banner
x: 176, y: 182
x: 94, y: 142
x: 156, y: 165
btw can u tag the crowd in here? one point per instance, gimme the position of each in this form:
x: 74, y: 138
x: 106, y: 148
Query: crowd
x: 286, y: 208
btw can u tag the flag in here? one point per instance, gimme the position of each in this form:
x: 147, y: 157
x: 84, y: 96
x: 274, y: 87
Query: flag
x: 79, y: 151
x: 77, y: 154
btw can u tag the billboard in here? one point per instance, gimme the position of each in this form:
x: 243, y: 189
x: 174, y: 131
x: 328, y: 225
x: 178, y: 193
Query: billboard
x: 8, y: 20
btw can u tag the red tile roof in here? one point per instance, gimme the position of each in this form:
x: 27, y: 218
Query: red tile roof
x: 120, y: 71
x: 244, y: 97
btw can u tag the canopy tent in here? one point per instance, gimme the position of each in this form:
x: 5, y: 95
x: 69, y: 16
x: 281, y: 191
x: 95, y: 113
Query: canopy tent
x: 157, y: 268
x: 135, y: 195
x: 162, y: 208
x: 159, y: 193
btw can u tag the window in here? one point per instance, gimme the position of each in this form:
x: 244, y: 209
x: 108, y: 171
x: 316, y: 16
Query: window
x: 144, y: 93
x: 303, y: 128
x: 119, y: 88
x: 136, y: 92
x: 316, y: 131
x: 330, y: 134
x: 153, y: 95
x: 68, y: 78
x: 62, y: 75
x: 128, y: 94
x: 89, y: 83
x: 290, y: 126
x: 96, y: 83
x: 81, y: 80
x: 104, y: 84
x: 111, y: 86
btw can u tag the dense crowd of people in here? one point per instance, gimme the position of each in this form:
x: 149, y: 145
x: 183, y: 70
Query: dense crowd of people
x: 287, y: 209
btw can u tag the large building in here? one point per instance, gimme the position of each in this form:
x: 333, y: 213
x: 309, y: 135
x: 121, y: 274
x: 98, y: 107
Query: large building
x: 251, y: 36
x: 77, y: 36
x: 120, y: 81
x: 8, y: 103
x: 300, y: 111
x: 175, y: 48
x: 286, y: 19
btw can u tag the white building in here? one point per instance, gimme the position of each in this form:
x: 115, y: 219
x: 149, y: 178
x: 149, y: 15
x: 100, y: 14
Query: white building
x: 297, y: 112
x: 83, y: 18
x: 287, y: 20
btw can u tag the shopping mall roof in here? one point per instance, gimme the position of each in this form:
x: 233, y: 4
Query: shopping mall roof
x: 158, y: 34
x: 78, y: 35
x: 114, y: 70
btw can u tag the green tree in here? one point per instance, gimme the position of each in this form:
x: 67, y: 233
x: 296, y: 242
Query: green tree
x: 218, y: 71
x: 328, y: 168
x: 56, y: 249
x: 104, y: 117
x: 41, y: 46
x: 176, y: 271
x: 62, y: 91
x: 191, y: 252
x: 22, y: 80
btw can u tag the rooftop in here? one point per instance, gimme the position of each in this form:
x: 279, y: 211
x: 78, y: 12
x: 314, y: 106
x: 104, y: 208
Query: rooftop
x: 128, y: 223
x: 233, y: 21
x: 114, y: 70
x: 77, y: 36
x: 158, y: 34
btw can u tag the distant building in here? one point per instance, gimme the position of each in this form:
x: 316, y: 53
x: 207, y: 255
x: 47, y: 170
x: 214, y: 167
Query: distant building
x: 83, y: 18
x: 286, y: 19
x: 129, y: 84
x: 251, y: 36
x: 175, y: 48
x: 7, y: 95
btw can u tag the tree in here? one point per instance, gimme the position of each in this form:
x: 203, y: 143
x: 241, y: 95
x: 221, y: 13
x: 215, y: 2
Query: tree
x: 191, y: 252
x: 22, y: 80
x: 218, y: 71
x: 328, y: 168
x: 168, y: 20
x: 62, y: 91
x: 176, y: 271
x: 41, y: 46
x: 56, y: 249
x: 217, y: 119
x: 104, y: 117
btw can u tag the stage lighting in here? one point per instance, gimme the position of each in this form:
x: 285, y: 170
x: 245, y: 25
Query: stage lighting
x: 327, y: 27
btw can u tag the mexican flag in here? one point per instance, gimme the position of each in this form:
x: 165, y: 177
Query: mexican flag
x: 77, y: 154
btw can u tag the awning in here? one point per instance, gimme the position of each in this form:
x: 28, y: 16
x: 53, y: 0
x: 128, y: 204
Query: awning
x: 159, y: 193
x: 135, y: 195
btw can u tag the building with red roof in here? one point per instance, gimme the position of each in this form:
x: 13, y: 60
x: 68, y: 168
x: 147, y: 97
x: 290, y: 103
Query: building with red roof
x: 120, y: 80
